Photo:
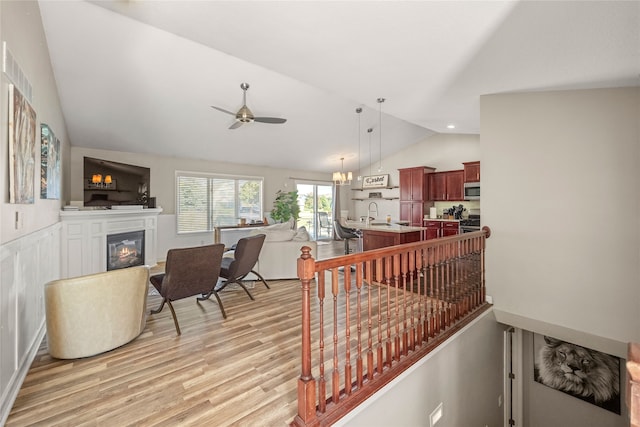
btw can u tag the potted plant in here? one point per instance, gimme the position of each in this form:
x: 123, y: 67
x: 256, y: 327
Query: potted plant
x: 285, y: 206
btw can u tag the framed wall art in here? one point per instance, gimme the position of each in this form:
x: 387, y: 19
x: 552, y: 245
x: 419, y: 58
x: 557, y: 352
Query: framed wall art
x: 581, y: 372
x: 22, y: 148
x: 49, y: 164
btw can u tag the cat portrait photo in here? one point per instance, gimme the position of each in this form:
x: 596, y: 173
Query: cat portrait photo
x: 581, y: 372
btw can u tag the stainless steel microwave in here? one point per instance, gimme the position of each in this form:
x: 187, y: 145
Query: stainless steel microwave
x: 472, y: 190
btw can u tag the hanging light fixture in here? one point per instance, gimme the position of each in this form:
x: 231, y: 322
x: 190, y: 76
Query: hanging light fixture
x: 380, y: 101
x: 358, y: 111
x: 342, y: 178
x: 370, y: 161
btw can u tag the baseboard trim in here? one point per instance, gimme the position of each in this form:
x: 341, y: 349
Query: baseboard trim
x: 19, y: 375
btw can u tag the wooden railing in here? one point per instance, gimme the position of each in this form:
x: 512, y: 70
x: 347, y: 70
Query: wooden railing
x: 368, y: 316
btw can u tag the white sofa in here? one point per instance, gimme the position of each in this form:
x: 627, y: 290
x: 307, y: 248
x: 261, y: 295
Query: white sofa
x: 279, y: 256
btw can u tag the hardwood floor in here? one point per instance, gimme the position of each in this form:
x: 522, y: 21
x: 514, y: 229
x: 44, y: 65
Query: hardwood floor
x: 241, y: 371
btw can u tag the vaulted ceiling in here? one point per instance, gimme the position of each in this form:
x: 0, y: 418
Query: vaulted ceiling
x: 142, y: 76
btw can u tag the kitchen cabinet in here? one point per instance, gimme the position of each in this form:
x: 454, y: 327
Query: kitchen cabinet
x: 413, y: 183
x: 414, y: 192
x: 450, y: 228
x: 436, y: 229
x: 433, y: 229
x: 471, y: 172
x: 381, y: 238
x: 446, y: 186
x: 412, y: 212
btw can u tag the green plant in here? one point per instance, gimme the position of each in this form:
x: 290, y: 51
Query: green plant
x: 285, y: 206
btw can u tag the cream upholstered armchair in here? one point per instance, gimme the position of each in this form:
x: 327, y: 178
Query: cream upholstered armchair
x: 91, y: 314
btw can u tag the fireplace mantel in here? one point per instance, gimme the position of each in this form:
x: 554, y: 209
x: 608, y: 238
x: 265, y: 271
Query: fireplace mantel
x: 84, y: 237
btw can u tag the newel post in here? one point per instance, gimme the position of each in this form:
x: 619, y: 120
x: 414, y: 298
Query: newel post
x: 306, y: 383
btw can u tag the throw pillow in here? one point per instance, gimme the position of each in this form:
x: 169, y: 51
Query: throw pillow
x: 302, y: 235
x: 280, y: 226
x: 279, y: 235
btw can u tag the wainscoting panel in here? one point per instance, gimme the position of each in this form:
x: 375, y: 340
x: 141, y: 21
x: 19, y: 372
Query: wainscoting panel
x: 26, y: 264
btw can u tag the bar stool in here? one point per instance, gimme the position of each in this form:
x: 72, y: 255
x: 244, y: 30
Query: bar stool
x: 347, y: 234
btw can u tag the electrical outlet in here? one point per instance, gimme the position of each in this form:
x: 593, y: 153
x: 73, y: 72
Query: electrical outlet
x: 436, y: 415
x: 18, y: 222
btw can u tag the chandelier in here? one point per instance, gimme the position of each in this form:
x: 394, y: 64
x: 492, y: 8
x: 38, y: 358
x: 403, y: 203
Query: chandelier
x: 342, y: 178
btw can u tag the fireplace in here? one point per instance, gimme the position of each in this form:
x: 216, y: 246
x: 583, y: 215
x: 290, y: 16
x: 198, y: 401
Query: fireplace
x: 125, y: 250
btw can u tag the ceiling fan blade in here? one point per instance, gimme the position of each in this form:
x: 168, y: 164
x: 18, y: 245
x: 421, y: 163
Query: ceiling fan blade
x: 274, y: 120
x: 223, y: 110
x: 236, y: 125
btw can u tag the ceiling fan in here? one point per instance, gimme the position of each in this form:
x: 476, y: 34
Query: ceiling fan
x: 244, y: 115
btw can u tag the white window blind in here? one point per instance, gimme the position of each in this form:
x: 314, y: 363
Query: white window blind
x: 206, y: 201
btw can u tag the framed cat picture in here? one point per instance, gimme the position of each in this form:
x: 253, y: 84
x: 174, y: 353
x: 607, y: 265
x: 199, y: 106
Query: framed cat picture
x: 581, y: 372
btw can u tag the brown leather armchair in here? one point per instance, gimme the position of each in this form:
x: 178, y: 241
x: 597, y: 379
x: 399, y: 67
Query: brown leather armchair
x: 188, y: 272
x: 235, y: 269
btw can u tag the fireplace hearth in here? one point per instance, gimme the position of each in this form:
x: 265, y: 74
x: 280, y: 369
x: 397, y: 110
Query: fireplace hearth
x: 125, y: 250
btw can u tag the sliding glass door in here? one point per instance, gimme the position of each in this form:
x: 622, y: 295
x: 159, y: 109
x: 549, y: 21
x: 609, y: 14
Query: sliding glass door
x: 316, y: 200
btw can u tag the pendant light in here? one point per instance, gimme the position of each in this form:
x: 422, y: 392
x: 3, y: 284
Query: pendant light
x: 380, y: 101
x: 358, y: 111
x: 342, y: 178
x: 370, y: 161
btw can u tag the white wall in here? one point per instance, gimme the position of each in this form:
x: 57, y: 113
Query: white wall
x: 21, y: 28
x: 561, y: 192
x: 441, y: 151
x: 465, y: 374
x: 29, y: 254
x: 163, y: 171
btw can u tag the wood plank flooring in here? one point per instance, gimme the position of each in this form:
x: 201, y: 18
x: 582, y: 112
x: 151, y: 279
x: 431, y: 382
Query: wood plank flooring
x: 239, y: 371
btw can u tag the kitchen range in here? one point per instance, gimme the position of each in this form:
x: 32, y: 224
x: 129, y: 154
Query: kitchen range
x: 472, y: 223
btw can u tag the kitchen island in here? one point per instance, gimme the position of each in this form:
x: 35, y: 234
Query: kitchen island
x: 382, y: 235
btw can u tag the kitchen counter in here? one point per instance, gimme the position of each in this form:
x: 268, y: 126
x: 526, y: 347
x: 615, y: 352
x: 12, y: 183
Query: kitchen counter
x: 381, y: 235
x: 443, y: 220
x: 383, y: 226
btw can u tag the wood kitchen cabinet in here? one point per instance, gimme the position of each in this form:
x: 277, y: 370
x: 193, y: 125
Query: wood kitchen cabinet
x: 414, y: 184
x: 446, y: 186
x: 436, y: 229
x: 412, y: 212
x: 450, y: 228
x: 414, y: 193
x: 471, y: 172
x: 376, y: 239
x: 433, y: 229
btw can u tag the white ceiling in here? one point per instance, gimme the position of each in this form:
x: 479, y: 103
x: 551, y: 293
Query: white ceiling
x: 140, y: 76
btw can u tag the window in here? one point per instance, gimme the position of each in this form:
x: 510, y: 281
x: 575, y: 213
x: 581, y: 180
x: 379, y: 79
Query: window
x: 206, y: 201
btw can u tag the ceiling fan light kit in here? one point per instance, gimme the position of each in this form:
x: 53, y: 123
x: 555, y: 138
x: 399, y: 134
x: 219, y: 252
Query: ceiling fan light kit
x: 244, y: 114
